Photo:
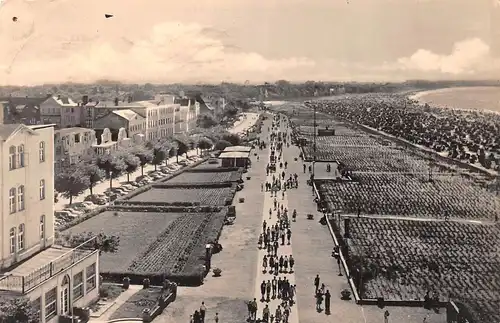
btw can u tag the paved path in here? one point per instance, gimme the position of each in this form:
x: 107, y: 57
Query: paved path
x: 282, y: 250
x: 101, y: 187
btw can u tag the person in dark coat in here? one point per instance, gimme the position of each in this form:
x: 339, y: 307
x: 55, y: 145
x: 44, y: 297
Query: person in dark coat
x: 316, y: 284
x: 327, y: 302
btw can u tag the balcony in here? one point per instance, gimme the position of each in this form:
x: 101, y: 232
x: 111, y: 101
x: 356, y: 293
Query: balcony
x: 45, y: 265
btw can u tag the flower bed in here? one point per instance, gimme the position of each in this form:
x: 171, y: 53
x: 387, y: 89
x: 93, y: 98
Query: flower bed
x: 402, y: 260
x: 204, y: 196
x: 176, y: 253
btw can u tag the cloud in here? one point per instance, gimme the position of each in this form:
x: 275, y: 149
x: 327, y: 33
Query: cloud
x: 172, y: 52
x: 467, y: 57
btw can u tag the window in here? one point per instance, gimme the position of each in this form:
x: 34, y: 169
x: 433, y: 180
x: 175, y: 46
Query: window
x: 12, y: 240
x: 42, y: 227
x: 77, y: 138
x: 20, y: 156
x: 50, y: 304
x: 20, y: 198
x: 91, y: 277
x: 12, y: 200
x: 42, y: 189
x: 78, y: 286
x: 20, y: 237
x: 41, y: 151
x: 12, y: 157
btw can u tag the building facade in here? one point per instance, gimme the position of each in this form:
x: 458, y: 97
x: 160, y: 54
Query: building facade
x: 61, y: 111
x: 70, y: 144
x: 154, y: 119
x: 54, y: 278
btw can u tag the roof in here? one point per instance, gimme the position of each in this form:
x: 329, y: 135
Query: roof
x: 39, y: 260
x: 6, y: 130
x: 127, y: 114
x: 24, y: 101
x: 64, y: 101
x: 238, y: 149
x: 67, y: 131
x: 234, y: 154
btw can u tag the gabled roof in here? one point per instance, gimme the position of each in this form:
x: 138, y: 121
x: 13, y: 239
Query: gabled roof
x: 8, y: 130
x: 127, y: 114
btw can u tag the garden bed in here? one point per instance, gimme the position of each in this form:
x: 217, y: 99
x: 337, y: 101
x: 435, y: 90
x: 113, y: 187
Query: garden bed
x: 203, y: 196
x: 133, y: 307
x: 156, y: 245
x: 206, y: 177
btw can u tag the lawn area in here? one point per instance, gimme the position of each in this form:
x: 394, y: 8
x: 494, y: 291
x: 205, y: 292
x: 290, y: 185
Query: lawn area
x: 204, y: 196
x: 133, y: 307
x: 137, y: 230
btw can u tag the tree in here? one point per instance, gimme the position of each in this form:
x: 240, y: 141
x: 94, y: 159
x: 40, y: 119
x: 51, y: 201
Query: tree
x: 159, y: 156
x: 233, y: 138
x: 18, y: 310
x: 206, y: 121
x: 205, y: 144
x: 132, y: 162
x: 92, y: 172
x: 112, y: 164
x: 103, y: 242
x: 145, y: 156
x: 71, y: 182
x: 182, y: 146
x: 222, y: 144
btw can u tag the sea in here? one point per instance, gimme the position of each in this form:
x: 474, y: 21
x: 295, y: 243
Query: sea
x: 485, y: 98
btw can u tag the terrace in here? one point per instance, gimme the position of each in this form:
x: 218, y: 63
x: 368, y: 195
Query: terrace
x: 43, y: 266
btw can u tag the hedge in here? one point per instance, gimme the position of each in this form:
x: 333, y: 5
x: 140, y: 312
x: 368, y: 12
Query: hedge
x: 146, y: 203
x: 194, y: 185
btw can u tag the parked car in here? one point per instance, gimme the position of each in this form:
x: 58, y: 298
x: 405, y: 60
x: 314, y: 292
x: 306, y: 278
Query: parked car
x: 143, y: 178
x: 130, y: 187
x: 183, y: 163
x: 74, y: 212
x: 96, y: 199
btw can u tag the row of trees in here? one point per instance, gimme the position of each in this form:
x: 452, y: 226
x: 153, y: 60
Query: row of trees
x: 93, y: 168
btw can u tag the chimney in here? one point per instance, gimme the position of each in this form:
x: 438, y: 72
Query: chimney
x: 59, y: 97
x: 116, y: 102
x: 85, y: 99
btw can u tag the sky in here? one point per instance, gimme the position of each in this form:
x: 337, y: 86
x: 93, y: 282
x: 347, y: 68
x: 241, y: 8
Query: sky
x: 211, y: 41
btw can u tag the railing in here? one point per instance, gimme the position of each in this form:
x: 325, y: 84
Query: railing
x: 24, y: 283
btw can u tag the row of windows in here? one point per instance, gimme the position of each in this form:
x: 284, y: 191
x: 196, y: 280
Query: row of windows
x: 78, y: 292
x: 16, y: 155
x: 17, y: 235
x: 17, y: 197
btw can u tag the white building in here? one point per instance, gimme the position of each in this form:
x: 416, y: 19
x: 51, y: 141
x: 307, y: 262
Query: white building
x: 54, y: 278
x: 61, y: 111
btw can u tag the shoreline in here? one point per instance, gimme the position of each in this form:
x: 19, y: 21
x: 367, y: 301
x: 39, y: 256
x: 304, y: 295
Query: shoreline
x: 420, y: 97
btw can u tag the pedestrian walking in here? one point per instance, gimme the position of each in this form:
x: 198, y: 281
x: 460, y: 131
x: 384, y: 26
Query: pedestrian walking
x: 262, y: 290
x: 203, y: 311
x: 216, y: 318
x: 316, y: 284
x: 319, y: 301
x: 265, y: 314
x: 327, y: 302
x: 288, y: 235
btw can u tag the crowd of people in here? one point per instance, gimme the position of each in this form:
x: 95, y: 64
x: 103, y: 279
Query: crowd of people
x: 470, y: 136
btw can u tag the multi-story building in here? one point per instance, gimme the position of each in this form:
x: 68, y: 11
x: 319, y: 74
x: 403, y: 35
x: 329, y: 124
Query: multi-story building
x: 25, y: 110
x: 188, y: 114
x: 61, y: 111
x: 132, y: 122
x: 55, y: 278
x: 71, y: 144
x: 154, y: 119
